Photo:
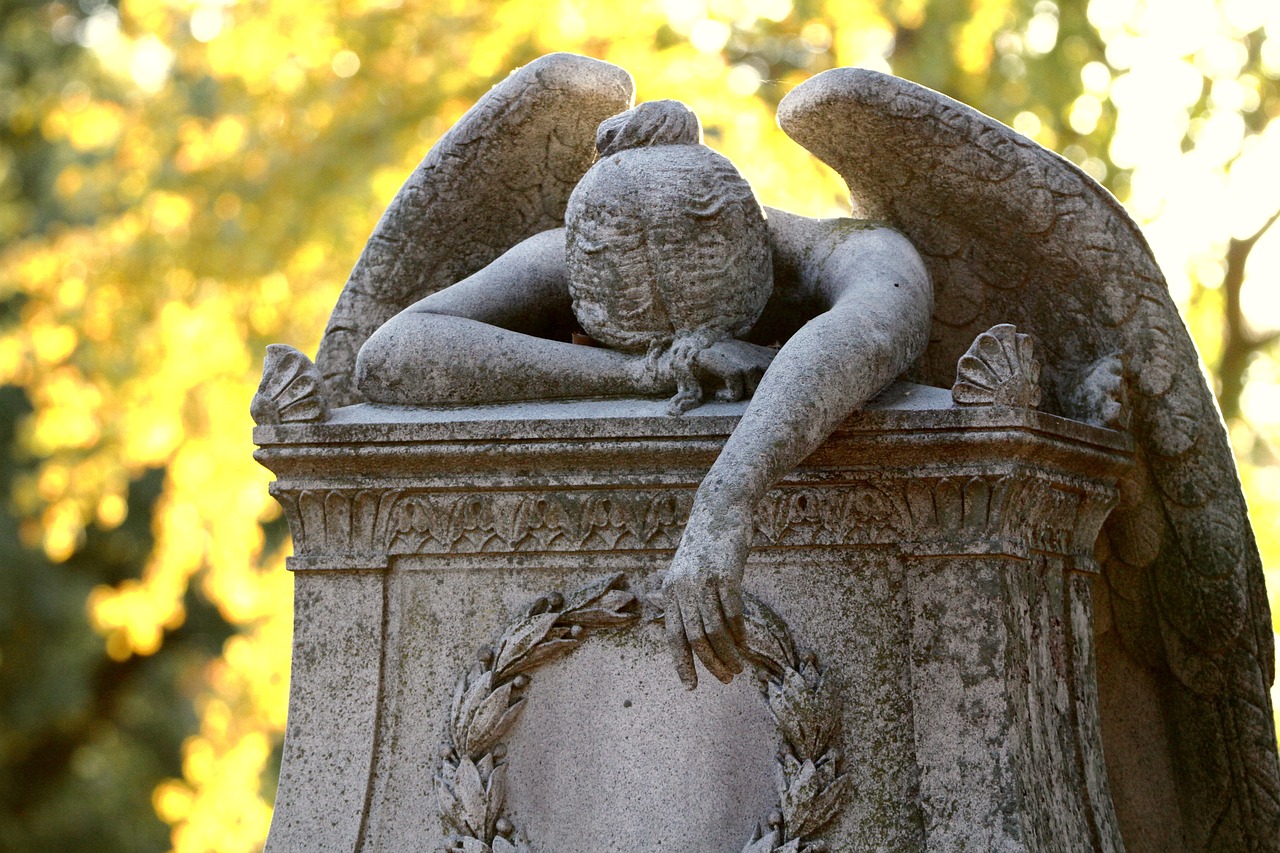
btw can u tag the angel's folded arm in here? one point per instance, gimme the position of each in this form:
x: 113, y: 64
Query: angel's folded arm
x: 878, y: 303
x: 499, y: 335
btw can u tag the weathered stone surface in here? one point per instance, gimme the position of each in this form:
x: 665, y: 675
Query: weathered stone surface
x: 334, y: 699
x: 904, y: 554
x: 971, y: 534
x: 1013, y: 234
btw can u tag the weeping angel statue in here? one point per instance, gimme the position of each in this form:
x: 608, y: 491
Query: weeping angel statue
x: 554, y: 206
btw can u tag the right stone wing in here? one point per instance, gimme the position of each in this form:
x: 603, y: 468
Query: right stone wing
x: 504, y: 172
x: 1013, y: 233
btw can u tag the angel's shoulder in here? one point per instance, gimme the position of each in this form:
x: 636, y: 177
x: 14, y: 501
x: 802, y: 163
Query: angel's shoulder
x: 809, y: 241
x: 865, y: 238
x: 817, y: 261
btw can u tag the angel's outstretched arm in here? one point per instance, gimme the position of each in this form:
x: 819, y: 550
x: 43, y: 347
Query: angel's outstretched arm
x: 878, y: 300
x: 499, y: 335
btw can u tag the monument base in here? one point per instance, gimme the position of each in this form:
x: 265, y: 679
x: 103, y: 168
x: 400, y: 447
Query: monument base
x: 933, y: 562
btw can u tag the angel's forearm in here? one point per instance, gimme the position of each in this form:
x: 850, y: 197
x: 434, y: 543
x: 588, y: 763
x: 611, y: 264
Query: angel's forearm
x: 829, y: 369
x: 525, y: 290
x: 826, y: 372
x: 425, y: 358
x: 481, y: 340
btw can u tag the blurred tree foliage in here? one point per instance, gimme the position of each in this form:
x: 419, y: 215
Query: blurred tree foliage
x: 185, y: 181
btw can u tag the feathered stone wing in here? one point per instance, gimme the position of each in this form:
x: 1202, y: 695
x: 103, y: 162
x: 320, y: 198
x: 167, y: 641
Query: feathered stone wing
x: 1013, y: 233
x: 503, y: 173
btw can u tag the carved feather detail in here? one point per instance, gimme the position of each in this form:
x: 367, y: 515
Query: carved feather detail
x: 985, y: 207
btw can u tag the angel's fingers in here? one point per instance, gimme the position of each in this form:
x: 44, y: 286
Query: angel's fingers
x: 751, y: 378
x: 733, y: 387
x: 688, y: 391
x: 713, y: 368
x: 718, y: 634
x: 679, y: 644
x: 731, y: 605
x: 697, y: 634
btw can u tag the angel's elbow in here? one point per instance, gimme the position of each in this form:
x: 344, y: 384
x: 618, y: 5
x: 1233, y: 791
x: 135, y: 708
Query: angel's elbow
x: 898, y: 310
x: 396, y: 363
x: 896, y: 347
x: 920, y: 320
x: 375, y: 365
x: 894, y: 329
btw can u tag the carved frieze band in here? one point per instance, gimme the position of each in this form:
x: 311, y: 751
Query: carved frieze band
x: 566, y: 521
x: 921, y: 514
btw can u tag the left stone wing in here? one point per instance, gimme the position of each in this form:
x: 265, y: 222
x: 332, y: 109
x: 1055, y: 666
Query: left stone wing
x: 504, y: 172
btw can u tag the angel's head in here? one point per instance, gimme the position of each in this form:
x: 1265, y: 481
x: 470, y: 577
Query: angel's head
x: 651, y: 123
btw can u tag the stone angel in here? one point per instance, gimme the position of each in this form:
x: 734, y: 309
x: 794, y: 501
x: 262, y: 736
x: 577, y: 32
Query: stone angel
x: 498, y: 249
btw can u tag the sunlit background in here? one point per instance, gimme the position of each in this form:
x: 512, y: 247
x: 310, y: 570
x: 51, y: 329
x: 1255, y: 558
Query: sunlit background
x: 182, y: 183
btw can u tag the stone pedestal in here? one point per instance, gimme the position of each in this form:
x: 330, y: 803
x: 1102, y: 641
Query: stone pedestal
x: 937, y: 562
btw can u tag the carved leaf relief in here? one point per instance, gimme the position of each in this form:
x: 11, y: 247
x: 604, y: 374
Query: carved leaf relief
x: 470, y: 783
x: 877, y: 511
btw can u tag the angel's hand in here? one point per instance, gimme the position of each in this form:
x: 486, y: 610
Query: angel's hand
x: 702, y: 594
x: 734, y: 366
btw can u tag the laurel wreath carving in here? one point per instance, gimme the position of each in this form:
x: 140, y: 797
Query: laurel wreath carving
x: 805, y: 704
x: 471, y: 782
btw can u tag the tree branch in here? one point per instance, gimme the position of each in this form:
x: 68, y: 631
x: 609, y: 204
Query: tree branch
x: 1252, y: 239
x: 1240, y: 343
